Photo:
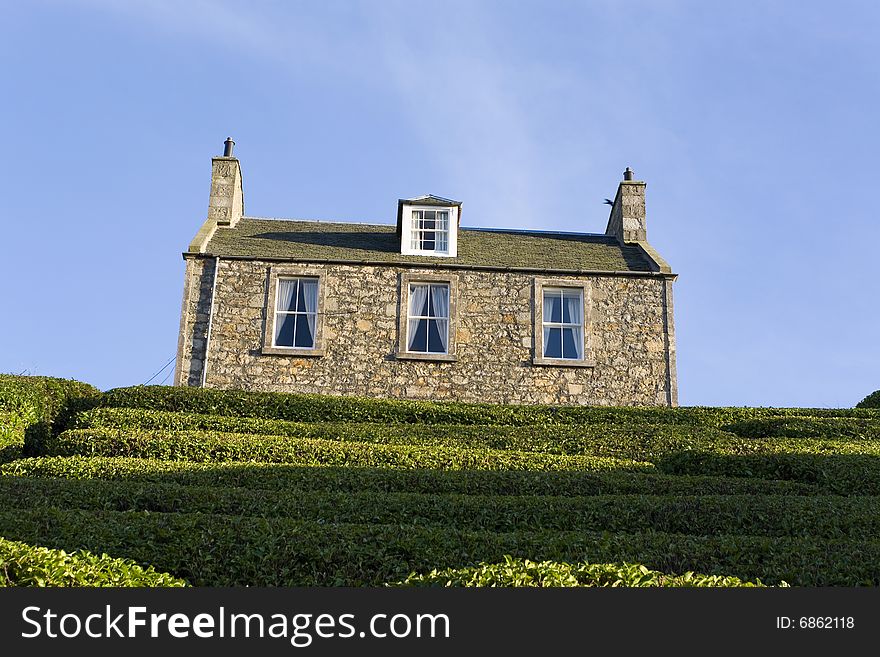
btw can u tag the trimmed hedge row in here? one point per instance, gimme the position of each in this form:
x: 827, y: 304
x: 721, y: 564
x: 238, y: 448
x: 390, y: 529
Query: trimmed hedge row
x: 42, y: 398
x: 318, y: 408
x: 213, y: 447
x: 12, y: 427
x: 837, y: 428
x: 827, y: 516
x: 597, y: 440
x: 35, y: 406
x: 28, y: 565
x: 843, y: 474
x: 466, y: 443
x: 871, y: 401
x: 524, y: 572
x: 209, y: 550
x: 273, y: 477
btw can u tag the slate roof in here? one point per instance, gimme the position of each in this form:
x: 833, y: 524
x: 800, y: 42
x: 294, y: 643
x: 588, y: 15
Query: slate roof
x: 324, y: 241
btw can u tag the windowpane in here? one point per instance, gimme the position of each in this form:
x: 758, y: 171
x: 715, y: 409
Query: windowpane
x: 555, y: 307
x: 284, y: 326
x: 435, y: 341
x: 309, y: 287
x: 440, y: 301
x: 552, y: 342
x: 419, y: 300
x: 303, y: 334
x: 287, y: 292
x: 569, y: 343
x: 419, y: 339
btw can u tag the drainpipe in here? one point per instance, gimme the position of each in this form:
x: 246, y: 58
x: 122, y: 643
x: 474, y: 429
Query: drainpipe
x: 210, y: 321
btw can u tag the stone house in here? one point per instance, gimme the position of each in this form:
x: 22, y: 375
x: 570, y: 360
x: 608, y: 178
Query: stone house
x: 427, y: 309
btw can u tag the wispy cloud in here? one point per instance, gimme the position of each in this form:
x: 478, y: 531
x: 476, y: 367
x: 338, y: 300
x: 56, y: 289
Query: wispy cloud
x: 449, y: 81
x: 466, y: 104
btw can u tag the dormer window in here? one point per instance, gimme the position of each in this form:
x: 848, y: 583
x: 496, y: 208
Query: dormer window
x: 430, y: 230
x: 428, y: 226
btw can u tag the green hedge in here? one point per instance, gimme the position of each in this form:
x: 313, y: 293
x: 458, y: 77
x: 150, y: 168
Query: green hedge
x: 825, y: 516
x: 597, y: 440
x: 849, y: 428
x: 210, y: 550
x: 507, y: 444
x: 872, y: 401
x: 275, y: 477
x: 204, y: 446
x: 12, y: 427
x: 318, y: 408
x: 843, y: 474
x: 27, y: 565
x: 35, y: 406
x: 524, y: 572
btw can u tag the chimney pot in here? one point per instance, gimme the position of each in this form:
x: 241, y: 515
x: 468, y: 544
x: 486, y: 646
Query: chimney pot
x: 628, y: 174
x: 227, y: 147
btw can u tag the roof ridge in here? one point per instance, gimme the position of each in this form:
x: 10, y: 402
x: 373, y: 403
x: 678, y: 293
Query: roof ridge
x: 535, y: 231
x: 487, y: 229
x: 320, y: 221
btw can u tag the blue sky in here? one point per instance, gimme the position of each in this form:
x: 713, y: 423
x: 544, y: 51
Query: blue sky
x: 754, y: 125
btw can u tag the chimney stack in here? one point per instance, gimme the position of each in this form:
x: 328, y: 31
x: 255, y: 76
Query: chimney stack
x: 226, y: 203
x: 627, y: 219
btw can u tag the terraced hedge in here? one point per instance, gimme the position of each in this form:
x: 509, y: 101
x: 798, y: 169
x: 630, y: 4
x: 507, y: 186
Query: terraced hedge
x: 28, y: 565
x: 871, y: 401
x: 317, y: 408
x: 814, y: 516
x: 843, y: 467
x: 214, y: 447
x: 849, y: 428
x: 35, y: 406
x: 523, y: 572
x: 217, y: 550
x: 843, y: 474
x: 242, y: 488
x: 593, y: 439
x: 280, y: 477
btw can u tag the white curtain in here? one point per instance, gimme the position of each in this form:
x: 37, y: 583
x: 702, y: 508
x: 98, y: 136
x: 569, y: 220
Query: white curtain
x: 418, y: 296
x: 310, y: 296
x: 549, y: 298
x: 286, y: 293
x: 574, y: 312
x: 440, y: 304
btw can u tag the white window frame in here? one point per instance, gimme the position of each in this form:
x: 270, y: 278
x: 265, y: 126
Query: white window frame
x: 407, y: 237
x: 272, y: 314
x: 417, y: 230
x: 428, y: 318
x: 543, y: 285
x: 414, y: 277
x: 547, y: 324
x: 298, y: 314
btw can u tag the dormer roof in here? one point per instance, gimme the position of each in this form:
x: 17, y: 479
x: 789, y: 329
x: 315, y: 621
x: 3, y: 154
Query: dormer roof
x: 425, y: 199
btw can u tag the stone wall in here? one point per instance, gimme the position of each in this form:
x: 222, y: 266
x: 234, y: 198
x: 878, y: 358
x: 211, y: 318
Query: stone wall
x: 198, y: 282
x: 631, y: 346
